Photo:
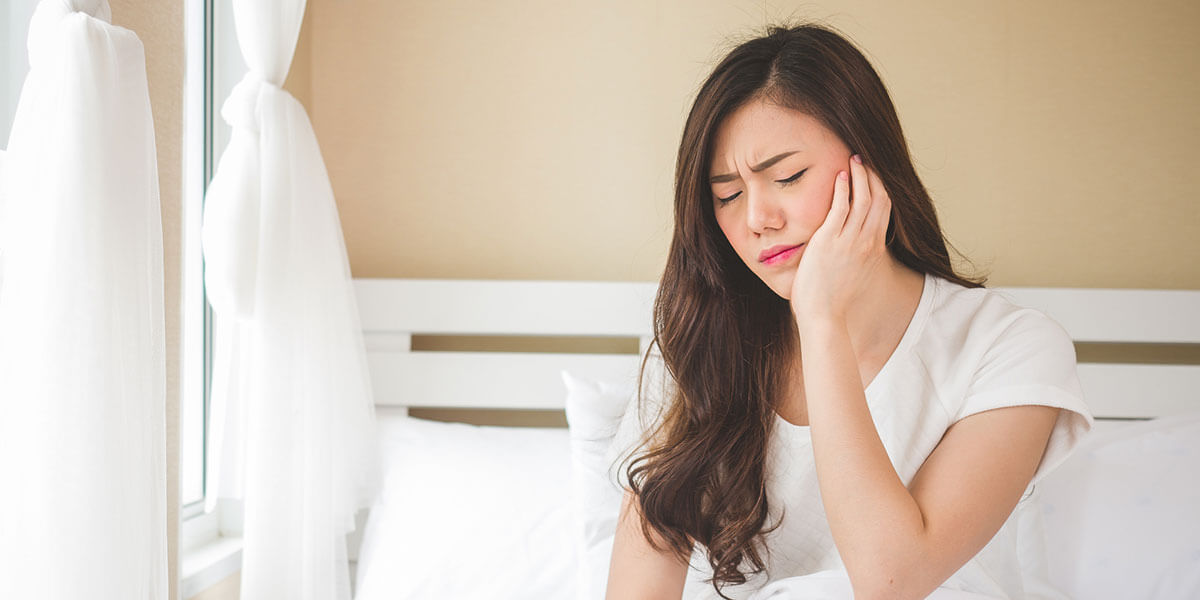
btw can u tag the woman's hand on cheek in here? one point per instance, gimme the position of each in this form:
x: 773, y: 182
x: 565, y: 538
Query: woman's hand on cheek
x: 845, y: 252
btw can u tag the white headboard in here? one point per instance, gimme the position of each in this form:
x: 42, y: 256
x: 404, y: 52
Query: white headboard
x: 393, y: 310
x: 1127, y: 391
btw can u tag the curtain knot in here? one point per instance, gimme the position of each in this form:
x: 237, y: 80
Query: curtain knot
x: 244, y: 107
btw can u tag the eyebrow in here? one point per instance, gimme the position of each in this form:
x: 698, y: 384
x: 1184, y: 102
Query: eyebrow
x: 756, y: 168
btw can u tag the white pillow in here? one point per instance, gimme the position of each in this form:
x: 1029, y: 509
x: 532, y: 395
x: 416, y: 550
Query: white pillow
x: 1121, y: 515
x: 469, y: 512
x: 594, y: 411
x: 605, y: 425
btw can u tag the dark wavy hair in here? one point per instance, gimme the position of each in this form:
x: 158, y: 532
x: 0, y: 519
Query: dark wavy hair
x: 726, y: 339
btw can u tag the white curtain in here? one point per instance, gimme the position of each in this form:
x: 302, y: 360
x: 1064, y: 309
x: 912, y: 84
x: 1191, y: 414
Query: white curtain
x: 82, y: 367
x: 292, y: 425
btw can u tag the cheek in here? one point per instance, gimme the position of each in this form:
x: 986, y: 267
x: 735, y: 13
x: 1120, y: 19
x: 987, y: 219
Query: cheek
x: 726, y: 221
x: 811, y: 209
x: 814, y: 207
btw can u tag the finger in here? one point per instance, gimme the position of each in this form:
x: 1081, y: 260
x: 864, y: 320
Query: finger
x: 881, y: 208
x: 836, y: 219
x: 860, y: 187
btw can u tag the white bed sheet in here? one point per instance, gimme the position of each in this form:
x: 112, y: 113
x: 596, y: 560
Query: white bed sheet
x: 454, y: 518
x: 485, y: 512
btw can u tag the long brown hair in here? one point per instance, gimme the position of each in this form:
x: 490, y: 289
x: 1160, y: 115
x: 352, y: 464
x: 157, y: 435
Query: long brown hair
x: 726, y: 339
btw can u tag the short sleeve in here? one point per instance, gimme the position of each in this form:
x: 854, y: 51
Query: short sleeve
x: 1032, y: 362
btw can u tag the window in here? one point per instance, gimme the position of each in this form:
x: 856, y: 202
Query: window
x: 214, y: 66
x: 196, y: 329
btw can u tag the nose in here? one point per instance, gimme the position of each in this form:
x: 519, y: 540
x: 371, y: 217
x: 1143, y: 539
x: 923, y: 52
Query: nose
x: 763, y: 211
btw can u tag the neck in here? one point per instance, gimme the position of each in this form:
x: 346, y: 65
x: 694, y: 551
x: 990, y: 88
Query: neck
x: 878, y: 321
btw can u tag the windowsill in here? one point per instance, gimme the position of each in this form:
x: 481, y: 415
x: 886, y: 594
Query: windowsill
x: 208, y: 564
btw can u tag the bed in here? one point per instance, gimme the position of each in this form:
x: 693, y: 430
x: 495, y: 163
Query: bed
x: 527, y: 512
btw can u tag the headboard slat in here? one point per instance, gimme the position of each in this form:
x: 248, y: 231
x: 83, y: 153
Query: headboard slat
x: 531, y: 308
x: 1100, y: 315
x: 518, y: 380
x: 1140, y: 391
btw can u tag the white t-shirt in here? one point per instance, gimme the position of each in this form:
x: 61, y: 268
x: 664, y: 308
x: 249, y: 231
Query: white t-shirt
x: 966, y: 350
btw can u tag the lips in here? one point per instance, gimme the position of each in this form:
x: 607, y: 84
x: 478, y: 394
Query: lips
x: 778, y: 253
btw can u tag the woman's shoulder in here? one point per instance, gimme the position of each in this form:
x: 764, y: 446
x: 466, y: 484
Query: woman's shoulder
x: 982, y: 315
x: 996, y: 353
x: 968, y: 328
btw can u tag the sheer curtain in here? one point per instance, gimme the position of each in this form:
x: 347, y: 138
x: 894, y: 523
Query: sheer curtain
x: 292, y: 425
x: 82, y: 363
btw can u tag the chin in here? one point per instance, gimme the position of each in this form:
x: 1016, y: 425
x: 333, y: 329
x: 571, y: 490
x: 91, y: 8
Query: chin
x: 781, y: 285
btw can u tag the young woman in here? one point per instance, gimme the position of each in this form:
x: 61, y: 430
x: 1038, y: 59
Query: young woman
x: 841, y: 398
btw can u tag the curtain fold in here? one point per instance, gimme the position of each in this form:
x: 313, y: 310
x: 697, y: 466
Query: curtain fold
x: 82, y: 362
x: 292, y: 429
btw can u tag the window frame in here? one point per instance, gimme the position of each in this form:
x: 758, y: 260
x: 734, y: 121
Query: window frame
x: 198, y: 526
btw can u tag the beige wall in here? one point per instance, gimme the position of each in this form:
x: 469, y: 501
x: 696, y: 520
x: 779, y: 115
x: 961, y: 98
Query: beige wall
x: 159, y: 25
x: 537, y: 139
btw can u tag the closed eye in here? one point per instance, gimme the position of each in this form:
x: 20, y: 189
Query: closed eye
x: 792, y: 178
x: 785, y: 182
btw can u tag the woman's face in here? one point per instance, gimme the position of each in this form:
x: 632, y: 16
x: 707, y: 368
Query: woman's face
x: 772, y: 176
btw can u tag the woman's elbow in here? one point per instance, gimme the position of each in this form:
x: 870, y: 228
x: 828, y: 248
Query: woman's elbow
x: 889, y: 584
x: 882, y: 591
x: 876, y: 591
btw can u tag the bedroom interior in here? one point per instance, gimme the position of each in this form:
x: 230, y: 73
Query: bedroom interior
x: 412, y: 219
x: 503, y: 179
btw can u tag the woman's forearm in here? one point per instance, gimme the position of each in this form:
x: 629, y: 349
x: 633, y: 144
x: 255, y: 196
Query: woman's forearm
x: 876, y: 523
x: 637, y: 570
